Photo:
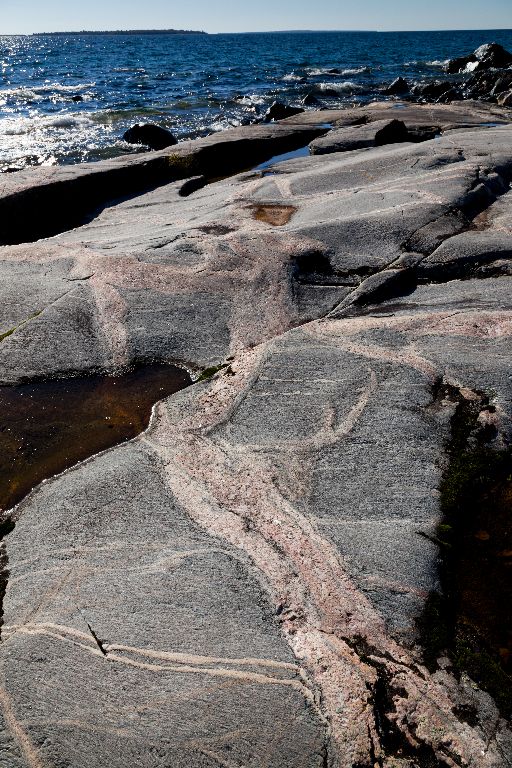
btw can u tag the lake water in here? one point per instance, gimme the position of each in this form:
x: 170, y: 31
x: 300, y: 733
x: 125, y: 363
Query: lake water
x: 70, y: 99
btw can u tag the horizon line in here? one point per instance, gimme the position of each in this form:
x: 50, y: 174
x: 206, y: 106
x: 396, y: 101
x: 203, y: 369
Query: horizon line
x: 252, y: 32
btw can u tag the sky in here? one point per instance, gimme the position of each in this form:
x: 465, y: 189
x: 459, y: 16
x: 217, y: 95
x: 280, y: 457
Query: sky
x: 27, y: 16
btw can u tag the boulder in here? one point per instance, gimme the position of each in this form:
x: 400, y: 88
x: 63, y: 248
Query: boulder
x: 373, y: 134
x: 460, y: 64
x: 280, y: 111
x: 488, y: 56
x: 151, y: 135
x: 432, y: 91
x: 310, y: 100
x: 505, y: 100
x: 397, y: 88
x: 493, y: 55
x: 330, y: 93
x: 453, y: 94
x: 77, y: 97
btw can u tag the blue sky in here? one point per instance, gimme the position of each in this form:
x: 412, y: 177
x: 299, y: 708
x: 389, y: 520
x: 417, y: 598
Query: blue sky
x: 26, y: 16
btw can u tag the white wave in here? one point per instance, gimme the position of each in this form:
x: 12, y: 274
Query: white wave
x: 293, y: 78
x: 61, y: 88
x: 333, y: 72
x: 250, y: 101
x: 348, y: 86
x: 356, y: 71
x: 471, y: 66
x: 38, y: 93
x: 222, y: 125
x: 322, y: 71
x: 25, y: 125
x: 419, y: 63
x: 20, y: 94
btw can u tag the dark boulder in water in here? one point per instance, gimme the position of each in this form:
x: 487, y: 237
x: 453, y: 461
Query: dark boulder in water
x: 432, y: 91
x: 488, y: 56
x: 397, y: 88
x: 310, y: 100
x: 330, y: 93
x: 493, y: 56
x: 153, y: 136
x: 279, y: 111
x: 488, y: 84
x: 455, y: 66
x: 452, y: 94
x: 77, y: 97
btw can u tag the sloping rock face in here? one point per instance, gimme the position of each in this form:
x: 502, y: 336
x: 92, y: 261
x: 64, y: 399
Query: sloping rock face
x: 242, y: 584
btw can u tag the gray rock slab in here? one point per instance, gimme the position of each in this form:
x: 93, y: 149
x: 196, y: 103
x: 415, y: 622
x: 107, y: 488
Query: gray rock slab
x: 229, y: 588
x: 193, y: 669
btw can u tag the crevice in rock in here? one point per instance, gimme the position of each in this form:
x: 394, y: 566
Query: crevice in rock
x: 470, y: 619
x: 97, y: 640
x: 403, y: 275
x: 64, y: 203
x: 393, y: 741
x: 6, y: 527
x: 192, y: 185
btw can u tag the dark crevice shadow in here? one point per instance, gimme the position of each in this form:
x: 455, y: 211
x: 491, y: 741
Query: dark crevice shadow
x: 470, y: 620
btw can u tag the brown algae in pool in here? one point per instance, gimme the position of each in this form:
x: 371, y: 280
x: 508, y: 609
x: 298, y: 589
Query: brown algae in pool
x: 275, y: 215
x: 48, y: 426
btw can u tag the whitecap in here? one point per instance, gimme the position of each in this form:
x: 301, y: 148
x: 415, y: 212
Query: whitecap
x: 348, y: 86
x: 356, y: 71
x: 293, y: 78
x: 249, y: 101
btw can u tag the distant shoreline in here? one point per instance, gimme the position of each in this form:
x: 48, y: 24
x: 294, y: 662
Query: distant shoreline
x: 123, y: 32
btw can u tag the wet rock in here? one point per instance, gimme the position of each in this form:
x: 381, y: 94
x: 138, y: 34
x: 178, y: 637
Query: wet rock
x: 152, y: 136
x: 493, y: 55
x: 310, y: 100
x: 488, y: 56
x: 77, y: 97
x: 279, y: 111
x: 329, y: 93
x: 397, y: 88
x: 505, y: 99
x: 432, y: 91
x: 453, y: 94
x: 460, y: 64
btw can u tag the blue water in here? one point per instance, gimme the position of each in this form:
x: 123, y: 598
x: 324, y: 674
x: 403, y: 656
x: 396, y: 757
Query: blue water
x: 192, y: 84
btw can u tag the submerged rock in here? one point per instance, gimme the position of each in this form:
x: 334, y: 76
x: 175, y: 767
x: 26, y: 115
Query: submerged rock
x: 152, y: 136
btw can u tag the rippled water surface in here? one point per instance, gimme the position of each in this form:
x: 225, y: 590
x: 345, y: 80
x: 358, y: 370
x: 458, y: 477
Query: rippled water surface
x: 69, y: 99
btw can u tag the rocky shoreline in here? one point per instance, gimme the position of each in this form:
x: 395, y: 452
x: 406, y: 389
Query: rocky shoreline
x: 253, y: 580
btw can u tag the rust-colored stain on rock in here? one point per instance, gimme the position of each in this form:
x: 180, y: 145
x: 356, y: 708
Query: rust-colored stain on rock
x: 275, y: 215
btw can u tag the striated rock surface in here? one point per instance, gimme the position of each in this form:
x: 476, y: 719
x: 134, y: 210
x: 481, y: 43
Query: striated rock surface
x: 242, y: 584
